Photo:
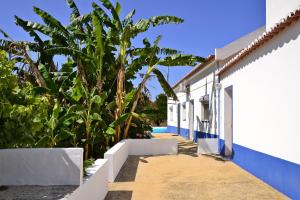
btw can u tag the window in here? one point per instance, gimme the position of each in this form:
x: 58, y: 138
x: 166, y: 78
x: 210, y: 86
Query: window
x: 171, y: 113
x: 204, y: 108
x: 204, y: 111
x: 184, y: 111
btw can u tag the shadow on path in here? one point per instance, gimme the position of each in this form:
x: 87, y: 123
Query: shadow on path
x: 128, y: 170
x: 187, y: 147
x: 119, y: 195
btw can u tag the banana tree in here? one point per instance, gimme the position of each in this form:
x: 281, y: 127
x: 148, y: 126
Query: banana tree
x: 150, y: 56
x: 122, y: 32
x: 86, y: 111
x: 18, y: 51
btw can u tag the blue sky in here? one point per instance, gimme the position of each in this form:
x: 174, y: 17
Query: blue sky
x: 208, y: 23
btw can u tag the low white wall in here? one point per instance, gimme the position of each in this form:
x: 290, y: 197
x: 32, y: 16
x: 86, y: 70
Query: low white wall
x: 116, y: 156
x: 208, y: 146
x: 42, y: 166
x: 64, y: 166
x: 96, y: 187
x: 152, y: 146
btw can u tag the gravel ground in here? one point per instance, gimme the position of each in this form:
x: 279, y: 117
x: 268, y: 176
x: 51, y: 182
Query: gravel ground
x: 35, y: 192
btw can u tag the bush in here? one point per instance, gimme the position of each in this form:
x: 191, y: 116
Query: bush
x: 21, y: 112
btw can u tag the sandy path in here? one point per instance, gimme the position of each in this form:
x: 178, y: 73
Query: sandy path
x: 186, y: 176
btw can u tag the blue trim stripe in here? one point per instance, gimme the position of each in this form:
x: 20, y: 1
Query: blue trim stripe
x: 172, y: 129
x: 185, y: 133
x: 280, y: 174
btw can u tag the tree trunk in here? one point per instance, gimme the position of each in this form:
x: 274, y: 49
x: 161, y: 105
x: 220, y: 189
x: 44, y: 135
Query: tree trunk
x: 52, y: 66
x: 138, y: 94
x: 99, y: 85
x: 35, y: 70
x: 81, y: 72
x: 119, y: 100
x: 87, y: 136
x: 86, y: 151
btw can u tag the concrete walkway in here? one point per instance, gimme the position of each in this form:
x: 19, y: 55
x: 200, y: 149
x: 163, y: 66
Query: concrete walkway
x: 186, y: 176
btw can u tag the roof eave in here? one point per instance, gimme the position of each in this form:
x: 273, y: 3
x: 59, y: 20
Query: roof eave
x: 195, y: 70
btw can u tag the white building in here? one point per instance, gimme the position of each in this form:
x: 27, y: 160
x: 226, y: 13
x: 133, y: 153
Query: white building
x: 248, y: 97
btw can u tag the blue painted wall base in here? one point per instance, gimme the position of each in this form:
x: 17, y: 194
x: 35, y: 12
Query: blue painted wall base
x: 280, y: 174
x: 185, y: 133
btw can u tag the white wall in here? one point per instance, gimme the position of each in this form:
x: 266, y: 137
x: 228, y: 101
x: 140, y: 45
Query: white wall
x: 116, y: 156
x: 64, y: 166
x: 208, y: 146
x: 153, y: 146
x: 57, y: 166
x: 278, y: 9
x: 200, y: 85
x: 173, y: 104
x: 239, y: 44
x: 181, y: 99
x: 96, y: 187
x: 266, y: 97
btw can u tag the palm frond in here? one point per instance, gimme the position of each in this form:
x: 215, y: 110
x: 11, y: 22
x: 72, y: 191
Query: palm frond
x: 157, y: 40
x: 105, y: 18
x: 40, y: 27
x: 128, y: 19
x: 22, y: 23
x: 67, y: 51
x: 5, y: 44
x: 81, y: 20
x: 53, y: 33
x: 140, y: 27
x: 75, y: 11
x: 161, y: 20
x: 50, y: 21
x: 169, y: 51
x: 115, y: 11
x: 99, y: 38
x: 164, y: 84
x: 5, y: 34
x: 181, y: 60
x: 50, y: 84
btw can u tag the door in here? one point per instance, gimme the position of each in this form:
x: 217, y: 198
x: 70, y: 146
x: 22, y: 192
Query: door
x: 191, y: 120
x: 228, y: 120
x: 178, y: 119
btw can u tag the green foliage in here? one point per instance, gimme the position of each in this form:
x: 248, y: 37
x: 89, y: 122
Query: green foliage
x: 76, y: 104
x: 86, y: 164
x: 164, y: 84
x: 161, y: 104
x: 22, y: 113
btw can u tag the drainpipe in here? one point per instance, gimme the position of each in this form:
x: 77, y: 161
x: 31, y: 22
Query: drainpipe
x: 218, y: 88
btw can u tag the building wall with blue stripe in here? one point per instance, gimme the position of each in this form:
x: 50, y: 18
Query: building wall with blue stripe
x: 266, y: 111
x: 278, y: 173
x: 185, y: 133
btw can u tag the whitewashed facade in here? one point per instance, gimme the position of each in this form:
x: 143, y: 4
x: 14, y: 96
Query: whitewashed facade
x: 194, y: 114
x: 255, y: 108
